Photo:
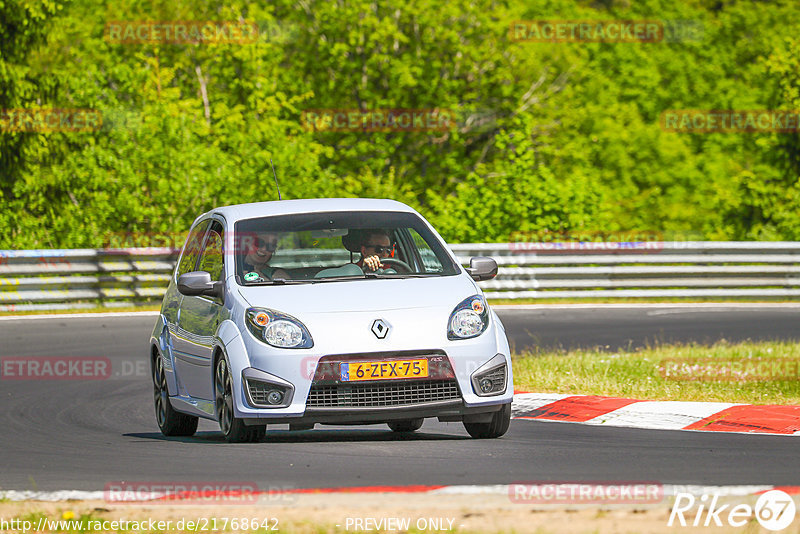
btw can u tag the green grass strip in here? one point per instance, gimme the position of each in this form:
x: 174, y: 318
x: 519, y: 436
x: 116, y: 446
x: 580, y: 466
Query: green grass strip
x: 753, y: 373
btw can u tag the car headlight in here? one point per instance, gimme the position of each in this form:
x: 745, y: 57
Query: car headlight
x: 278, y: 329
x: 468, y: 319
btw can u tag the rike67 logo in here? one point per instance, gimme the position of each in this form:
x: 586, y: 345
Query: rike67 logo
x: 774, y: 510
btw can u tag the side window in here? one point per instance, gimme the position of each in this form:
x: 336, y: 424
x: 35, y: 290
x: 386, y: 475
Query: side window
x: 429, y: 259
x: 211, y: 260
x: 191, y: 250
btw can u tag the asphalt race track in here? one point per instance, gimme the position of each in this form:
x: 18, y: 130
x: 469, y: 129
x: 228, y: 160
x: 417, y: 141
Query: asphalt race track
x: 86, y: 434
x: 624, y: 327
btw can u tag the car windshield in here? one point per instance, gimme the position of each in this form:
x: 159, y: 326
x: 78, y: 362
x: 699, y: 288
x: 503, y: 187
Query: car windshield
x: 332, y: 246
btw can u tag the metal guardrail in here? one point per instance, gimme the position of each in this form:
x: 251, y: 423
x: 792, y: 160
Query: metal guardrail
x: 762, y: 269
x: 85, y: 278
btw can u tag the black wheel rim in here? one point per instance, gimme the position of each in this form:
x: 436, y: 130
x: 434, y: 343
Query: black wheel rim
x: 160, y: 392
x: 223, y: 397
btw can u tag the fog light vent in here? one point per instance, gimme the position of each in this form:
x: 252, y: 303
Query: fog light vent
x: 266, y: 394
x: 491, y: 382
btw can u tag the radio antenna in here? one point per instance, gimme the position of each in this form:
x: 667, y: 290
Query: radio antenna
x: 276, y: 178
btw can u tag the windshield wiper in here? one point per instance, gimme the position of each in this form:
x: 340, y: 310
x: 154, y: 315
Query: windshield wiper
x: 277, y: 282
x: 373, y: 276
x: 338, y: 278
x: 399, y: 275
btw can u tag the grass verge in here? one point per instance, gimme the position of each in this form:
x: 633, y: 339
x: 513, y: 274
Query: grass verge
x: 752, y: 373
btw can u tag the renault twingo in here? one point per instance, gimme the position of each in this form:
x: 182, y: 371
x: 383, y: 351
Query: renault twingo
x: 326, y: 311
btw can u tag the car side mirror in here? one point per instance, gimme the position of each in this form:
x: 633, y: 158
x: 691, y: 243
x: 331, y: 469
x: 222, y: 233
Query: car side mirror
x: 482, y: 268
x: 198, y: 283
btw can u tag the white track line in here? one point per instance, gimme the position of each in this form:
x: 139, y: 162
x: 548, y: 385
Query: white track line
x: 669, y: 490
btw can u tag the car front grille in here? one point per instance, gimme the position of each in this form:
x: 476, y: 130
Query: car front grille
x: 383, y: 394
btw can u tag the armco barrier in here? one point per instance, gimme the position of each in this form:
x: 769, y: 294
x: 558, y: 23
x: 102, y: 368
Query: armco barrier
x: 763, y: 269
x: 83, y: 278
x: 50, y: 279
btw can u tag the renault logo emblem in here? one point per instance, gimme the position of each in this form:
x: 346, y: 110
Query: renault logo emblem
x: 380, y: 328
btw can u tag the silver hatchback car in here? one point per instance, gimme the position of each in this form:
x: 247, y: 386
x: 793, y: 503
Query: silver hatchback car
x: 329, y: 311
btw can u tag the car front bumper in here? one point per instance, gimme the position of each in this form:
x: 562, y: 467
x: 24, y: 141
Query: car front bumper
x: 445, y: 411
x: 453, y: 366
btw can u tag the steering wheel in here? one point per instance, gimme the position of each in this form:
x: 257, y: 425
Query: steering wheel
x: 397, y: 263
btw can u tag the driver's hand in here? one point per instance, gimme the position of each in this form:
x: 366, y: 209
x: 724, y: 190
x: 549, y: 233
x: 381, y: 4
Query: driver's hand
x: 372, y: 263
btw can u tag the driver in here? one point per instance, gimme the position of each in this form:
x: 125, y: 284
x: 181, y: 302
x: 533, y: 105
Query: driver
x: 375, y: 246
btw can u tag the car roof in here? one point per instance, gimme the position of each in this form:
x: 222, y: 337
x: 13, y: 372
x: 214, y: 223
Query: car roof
x: 288, y: 207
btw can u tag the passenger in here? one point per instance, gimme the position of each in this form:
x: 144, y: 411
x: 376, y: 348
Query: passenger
x: 256, y: 261
x: 376, y: 245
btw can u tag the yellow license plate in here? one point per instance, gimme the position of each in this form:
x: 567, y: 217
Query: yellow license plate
x: 385, y: 370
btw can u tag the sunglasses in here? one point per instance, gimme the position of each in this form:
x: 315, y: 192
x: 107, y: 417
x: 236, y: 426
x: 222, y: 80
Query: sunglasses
x: 380, y: 249
x: 271, y: 246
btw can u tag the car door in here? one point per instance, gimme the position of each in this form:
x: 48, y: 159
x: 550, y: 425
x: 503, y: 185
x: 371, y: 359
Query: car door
x: 198, y: 321
x: 171, y: 309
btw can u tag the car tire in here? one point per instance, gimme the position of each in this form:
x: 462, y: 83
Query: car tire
x: 494, y: 429
x: 409, y: 425
x: 233, y: 428
x: 171, y: 422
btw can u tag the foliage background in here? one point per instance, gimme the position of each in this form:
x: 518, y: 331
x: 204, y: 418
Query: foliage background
x: 554, y: 137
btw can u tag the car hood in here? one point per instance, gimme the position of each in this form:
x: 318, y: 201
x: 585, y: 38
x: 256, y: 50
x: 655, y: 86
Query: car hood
x: 362, y: 295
